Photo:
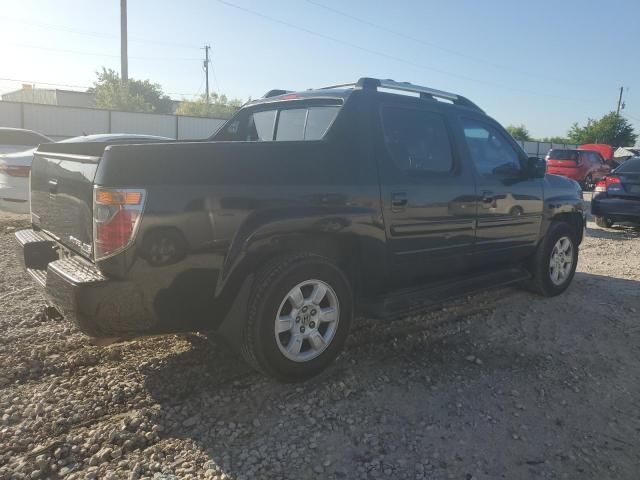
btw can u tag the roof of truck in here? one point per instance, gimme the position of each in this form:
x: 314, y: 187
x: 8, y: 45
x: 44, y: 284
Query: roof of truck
x: 343, y: 90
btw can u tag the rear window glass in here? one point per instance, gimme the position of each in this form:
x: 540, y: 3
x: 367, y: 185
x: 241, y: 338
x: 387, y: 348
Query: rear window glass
x: 563, y: 155
x: 291, y: 124
x: 630, y: 166
x: 287, y: 124
x: 262, y: 124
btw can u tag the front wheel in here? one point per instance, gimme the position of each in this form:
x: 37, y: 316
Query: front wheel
x: 300, y: 311
x: 554, y: 264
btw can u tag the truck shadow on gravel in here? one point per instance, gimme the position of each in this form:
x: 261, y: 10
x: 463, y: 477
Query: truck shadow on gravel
x: 407, y: 390
x: 617, y: 232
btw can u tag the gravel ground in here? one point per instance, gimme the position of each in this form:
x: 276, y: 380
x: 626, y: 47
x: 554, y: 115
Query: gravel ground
x: 502, y: 384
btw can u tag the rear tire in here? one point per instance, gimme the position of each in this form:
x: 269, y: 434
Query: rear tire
x: 554, y: 263
x: 516, y: 211
x: 299, y: 313
x: 604, y: 222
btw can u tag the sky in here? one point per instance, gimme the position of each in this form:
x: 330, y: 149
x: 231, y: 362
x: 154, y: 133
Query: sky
x: 544, y: 64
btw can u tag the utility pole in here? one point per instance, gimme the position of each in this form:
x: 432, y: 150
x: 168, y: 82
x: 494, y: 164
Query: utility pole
x: 124, y: 61
x: 206, y: 69
x: 620, y: 102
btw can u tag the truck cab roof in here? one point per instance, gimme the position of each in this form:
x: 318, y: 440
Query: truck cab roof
x: 344, y: 90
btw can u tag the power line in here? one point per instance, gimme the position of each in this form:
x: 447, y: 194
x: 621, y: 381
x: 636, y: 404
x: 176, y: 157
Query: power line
x: 626, y: 114
x: 86, y: 87
x: 95, y: 54
x: 95, y: 34
x: 386, y: 55
x: 424, y: 42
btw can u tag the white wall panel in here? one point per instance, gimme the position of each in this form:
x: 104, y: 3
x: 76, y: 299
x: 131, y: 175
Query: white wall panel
x: 144, y: 123
x: 10, y: 115
x: 193, y: 128
x: 65, y: 121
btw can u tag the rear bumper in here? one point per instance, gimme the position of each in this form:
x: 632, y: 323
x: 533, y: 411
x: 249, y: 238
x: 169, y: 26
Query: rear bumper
x: 615, y: 208
x: 98, y: 306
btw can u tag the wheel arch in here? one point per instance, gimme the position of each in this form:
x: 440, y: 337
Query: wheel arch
x: 574, y: 219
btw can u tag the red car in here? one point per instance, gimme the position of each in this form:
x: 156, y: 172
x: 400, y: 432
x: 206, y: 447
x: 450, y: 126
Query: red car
x: 584, y: 166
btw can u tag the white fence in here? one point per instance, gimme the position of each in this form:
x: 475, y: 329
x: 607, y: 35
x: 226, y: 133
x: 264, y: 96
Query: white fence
x: 540, y: 149
x: 64, y: 122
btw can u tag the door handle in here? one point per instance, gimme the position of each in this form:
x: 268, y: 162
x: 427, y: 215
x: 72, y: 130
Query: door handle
x: 53, y: 186
x: 398, y: 201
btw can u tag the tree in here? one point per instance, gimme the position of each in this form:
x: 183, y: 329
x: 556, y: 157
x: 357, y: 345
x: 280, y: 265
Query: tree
x: 134, y: 96
x: 219, y: 106
x: 556, y: 140
x: 611, y: 129
x: 519, y: 132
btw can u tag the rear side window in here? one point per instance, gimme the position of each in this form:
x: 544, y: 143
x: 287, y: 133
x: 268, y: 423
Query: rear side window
x: 286, y: 124
x: 417, y: 140
x: 563, y: 155
x: 261, y: 125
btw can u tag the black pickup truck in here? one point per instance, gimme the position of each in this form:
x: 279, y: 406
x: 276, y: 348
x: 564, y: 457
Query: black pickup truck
x: 374, y: 198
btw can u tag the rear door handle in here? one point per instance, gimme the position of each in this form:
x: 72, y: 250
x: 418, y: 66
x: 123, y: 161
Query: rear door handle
x: 398, y: 201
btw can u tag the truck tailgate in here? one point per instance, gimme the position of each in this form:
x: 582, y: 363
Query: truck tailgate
x: 62, y: 192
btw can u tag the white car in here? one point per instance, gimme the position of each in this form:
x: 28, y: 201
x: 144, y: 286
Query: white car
x: 15, y: 168
x: 19, y: 139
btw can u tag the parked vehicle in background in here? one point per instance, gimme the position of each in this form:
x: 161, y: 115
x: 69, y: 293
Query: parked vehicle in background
x: 303, y: 210
x: 15, y: 168
x: 18, y: 139
x: 606, y: 151
x: 584, y: 166
x: 617, y: 197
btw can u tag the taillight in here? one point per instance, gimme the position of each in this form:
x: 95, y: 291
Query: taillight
x: 614, y: 184
x: 15, y: 170
x: 116, y: 215
x: 601, y: 186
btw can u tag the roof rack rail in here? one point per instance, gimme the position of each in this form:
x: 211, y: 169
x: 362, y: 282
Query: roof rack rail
x: 275, y: 92
x: 367, y: 83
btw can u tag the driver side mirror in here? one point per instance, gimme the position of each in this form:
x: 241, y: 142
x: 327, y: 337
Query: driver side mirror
x: 537, y: 167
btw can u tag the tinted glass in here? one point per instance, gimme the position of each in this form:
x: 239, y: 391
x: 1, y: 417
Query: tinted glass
x: 291, y: 124
x: 490, y: 151
x: 319, y: 120
x: 563, y: 155
x: 308, y: 123
x: 417, y: 140
x: 262, y: 123
x: 630, y: 166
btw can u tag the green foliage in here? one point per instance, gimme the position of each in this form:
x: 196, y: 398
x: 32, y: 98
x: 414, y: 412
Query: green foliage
x: 610, y: 129
x: 556, y: 140
x: 519, y: 132
x: 219, y: 106
x: 134, y: 96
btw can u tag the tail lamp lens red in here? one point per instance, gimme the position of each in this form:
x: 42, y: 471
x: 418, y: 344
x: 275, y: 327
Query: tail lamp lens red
x: 116, y: 215
x: 613, y: 183
x: 601, y: 186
